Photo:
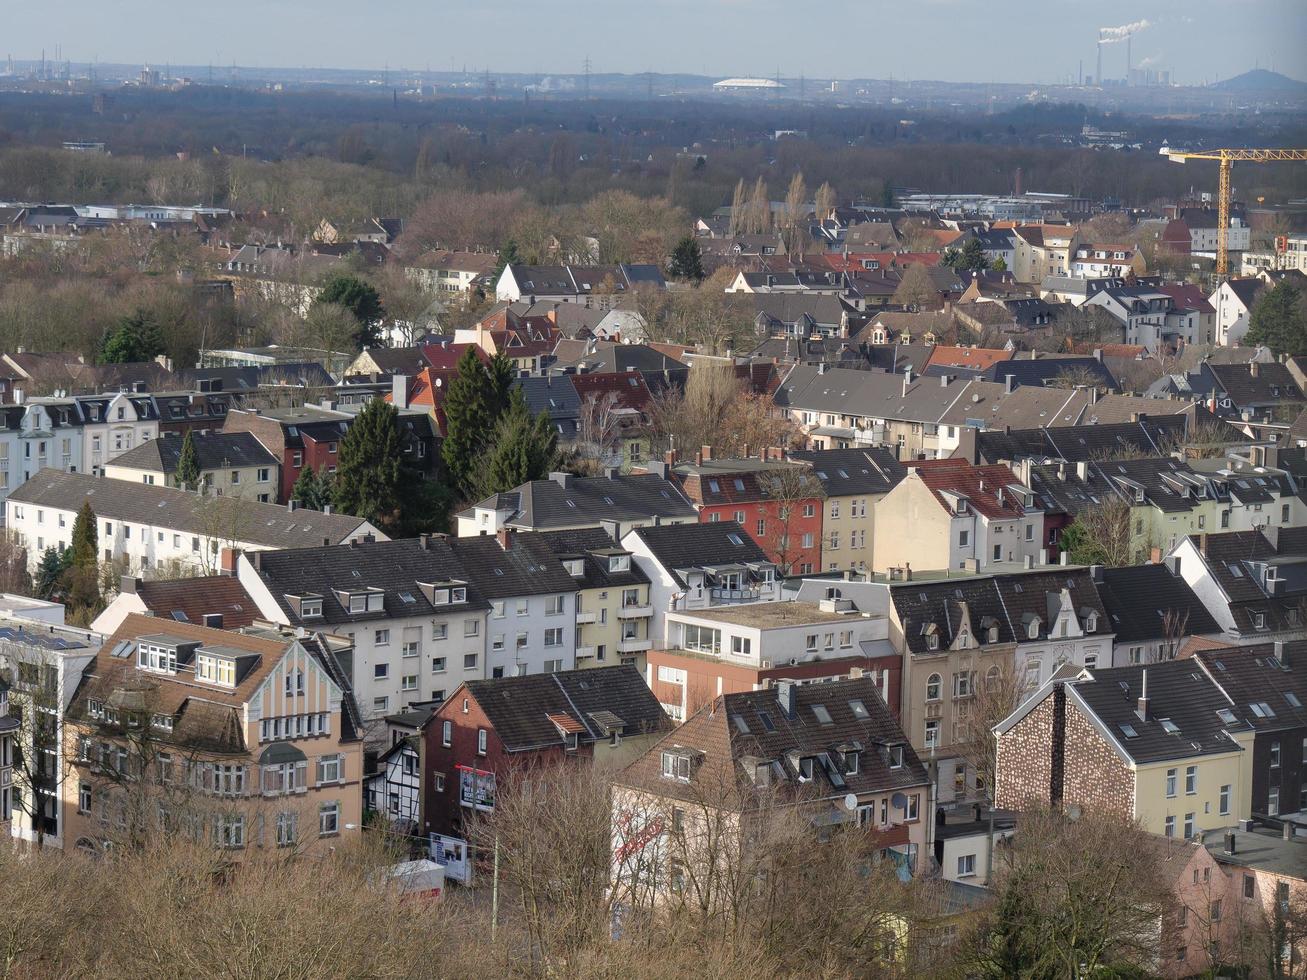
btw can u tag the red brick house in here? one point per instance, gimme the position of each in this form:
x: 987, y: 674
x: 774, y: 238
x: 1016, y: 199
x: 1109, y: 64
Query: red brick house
x: 488, y: 729
x: 298, y: 437
x: 777, y: 501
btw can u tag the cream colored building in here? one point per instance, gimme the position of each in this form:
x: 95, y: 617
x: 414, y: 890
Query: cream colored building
x: 232, y: 464
x: 855, y: 481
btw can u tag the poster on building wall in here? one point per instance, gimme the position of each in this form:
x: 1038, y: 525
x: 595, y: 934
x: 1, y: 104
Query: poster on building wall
x: 476, y: 788
x: 454, y: 854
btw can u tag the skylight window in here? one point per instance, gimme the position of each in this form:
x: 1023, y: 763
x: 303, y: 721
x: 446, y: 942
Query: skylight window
x: 1129, y: 731
x: 821, y: 714
x: 1226, y: 715
x: 714, y: 486
x: 766, y: 720
x: 739, y: 484
x: 734, y: 539
x: 741, y: 725
x: 1292, y: 699
x: 859, y: 710
x: 1168, y: 726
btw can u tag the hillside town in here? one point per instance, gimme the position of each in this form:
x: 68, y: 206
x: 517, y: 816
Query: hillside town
x: 841, y: 577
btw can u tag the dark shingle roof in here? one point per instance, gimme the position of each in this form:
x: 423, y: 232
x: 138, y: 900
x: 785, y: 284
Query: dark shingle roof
x: 1178, y: 691
x: 1081, y: 443
x: 518, y: 708
x: 693, y: 545
x: 214, y: 450
x: 569, y: 500
x: 735, y: 733
x: 1048, y: 369
x: 1139, y: 600
x: 845, y: 472
x: 396, y: 567
x: 587, y: 543
x: 525, y: 568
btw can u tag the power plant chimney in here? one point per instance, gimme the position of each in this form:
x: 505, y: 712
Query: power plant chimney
x: 1127, y: 61
x: 1098, y: 68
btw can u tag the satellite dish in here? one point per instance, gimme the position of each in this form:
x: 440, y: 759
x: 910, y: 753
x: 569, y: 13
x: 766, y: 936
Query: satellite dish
x: 851, y: 802
x: 899, y: 800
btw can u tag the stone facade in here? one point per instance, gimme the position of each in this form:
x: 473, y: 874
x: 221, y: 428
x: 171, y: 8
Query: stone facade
x: 1055, y: 755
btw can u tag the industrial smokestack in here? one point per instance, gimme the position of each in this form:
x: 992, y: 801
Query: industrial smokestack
x: 1098, y: 69
x: 1127, y: 61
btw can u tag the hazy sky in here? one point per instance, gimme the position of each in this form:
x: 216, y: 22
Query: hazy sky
x: 959, y: 40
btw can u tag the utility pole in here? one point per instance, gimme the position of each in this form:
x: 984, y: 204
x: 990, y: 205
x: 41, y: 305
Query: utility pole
x: 494, y: 892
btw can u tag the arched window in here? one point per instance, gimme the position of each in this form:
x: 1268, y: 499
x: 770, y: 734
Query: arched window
x: 992, y: 677
x: 1033, y: 630
x: 933, y: 685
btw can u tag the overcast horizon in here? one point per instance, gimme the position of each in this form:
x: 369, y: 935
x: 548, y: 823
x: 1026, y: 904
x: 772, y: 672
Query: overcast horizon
x: 1033, y: 42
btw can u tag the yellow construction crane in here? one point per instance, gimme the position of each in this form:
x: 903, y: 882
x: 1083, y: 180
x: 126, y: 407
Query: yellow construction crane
x: 1227, y: 159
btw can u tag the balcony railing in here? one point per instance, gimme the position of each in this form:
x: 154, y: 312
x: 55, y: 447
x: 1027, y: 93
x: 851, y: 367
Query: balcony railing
x: 587, y: 616
x: 635, y: 612
x: 582, y: 652
x: 634, y: 646
x: 734, y: 595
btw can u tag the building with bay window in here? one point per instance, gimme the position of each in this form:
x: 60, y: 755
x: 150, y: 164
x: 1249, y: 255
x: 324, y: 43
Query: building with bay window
x: 242, y: 739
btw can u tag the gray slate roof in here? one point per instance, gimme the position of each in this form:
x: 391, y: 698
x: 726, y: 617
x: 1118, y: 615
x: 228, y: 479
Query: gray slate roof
x: 246, y: 521
x: 566, y: 500
x: 214, y: 450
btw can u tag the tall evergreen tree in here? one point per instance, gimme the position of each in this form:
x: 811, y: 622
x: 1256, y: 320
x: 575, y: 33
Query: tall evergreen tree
x: 1279, y: 320
x: 522, y: 448
x: 188, y: 465
x: 501, y: 372
x: 370, y: 475
x: 50, y: 572
x: 361, y: 298
x: 468, y: 407
x: 307, y: 491
x: 687, y: 261
x: 84, y: 568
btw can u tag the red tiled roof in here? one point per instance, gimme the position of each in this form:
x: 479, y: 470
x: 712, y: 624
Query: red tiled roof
x: 1187, y: 296
x: 969, y: 357
x: 567, y: 724
x: 446, y: 357
x: 979, y: 484
x: 195, y: 598
x: 628, y: 386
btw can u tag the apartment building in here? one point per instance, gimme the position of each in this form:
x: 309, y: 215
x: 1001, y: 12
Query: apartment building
x: 246, y: 739
x: 531, y: 625
x: 1160, y: 744
x: 146, y: 527
x: 855, y: 481
x: 491, y: 731
x: 832, y: 749
x: 732, y: 648
x: 231, y: 464
x: 778, y: 503
x: 415, y: 619
x: 613, y: 610
x: 44, y: 662
x: 700, y: 566
x: 963, y: 517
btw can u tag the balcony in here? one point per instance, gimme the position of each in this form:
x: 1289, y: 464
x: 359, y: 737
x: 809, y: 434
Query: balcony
x: 734, y: 595
x: 586, y: 617
x: 583, y: 652
x: 635, y: 612
x: 633, y: 646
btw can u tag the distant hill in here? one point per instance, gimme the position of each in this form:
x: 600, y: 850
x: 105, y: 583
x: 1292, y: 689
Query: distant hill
x: 1261, y: 80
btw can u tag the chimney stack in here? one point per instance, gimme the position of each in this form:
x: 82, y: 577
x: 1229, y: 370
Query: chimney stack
x: 399, y: 391
x: 505, y: 537
x: 785, y: 697
x: 1142, y: 708
x: 1008, y: 381
x: 706, y: 453
x: 1229, y: 842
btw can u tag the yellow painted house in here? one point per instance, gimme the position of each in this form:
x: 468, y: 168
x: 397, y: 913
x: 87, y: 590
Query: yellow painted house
x: 613, y: 609
x: 1161, y: 744
x: 855, y: 480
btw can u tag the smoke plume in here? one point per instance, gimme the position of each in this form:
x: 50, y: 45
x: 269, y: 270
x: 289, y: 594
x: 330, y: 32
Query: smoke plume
x: 1111, y: 35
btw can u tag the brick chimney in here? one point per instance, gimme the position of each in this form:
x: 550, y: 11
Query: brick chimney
x: 505, y: 536
x: 706, y: 452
